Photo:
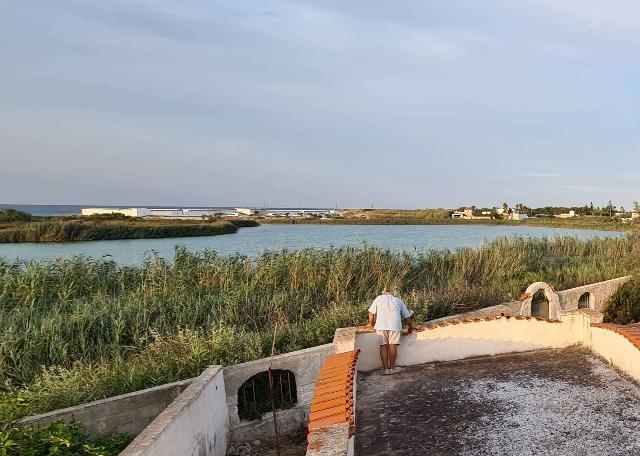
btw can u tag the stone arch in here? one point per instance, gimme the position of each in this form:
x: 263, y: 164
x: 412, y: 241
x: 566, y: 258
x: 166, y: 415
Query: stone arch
x: 585, y: 301
x: 549, y: 293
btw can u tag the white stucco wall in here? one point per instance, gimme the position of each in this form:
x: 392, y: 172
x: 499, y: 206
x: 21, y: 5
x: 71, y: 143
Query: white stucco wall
x: 195, y: 424
x: 616, y: 349
x: 466, y: 340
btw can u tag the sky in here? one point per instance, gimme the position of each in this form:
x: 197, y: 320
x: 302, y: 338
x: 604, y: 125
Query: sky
x: 354, y: 103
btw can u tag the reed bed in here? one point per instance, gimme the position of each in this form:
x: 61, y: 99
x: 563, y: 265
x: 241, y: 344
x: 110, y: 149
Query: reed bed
x: 73, y: 231
x: 82, y: 329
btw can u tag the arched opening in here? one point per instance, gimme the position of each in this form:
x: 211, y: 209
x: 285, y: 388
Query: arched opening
x: 540, y: 305
x: 254, y: 396
x: 585, y: 301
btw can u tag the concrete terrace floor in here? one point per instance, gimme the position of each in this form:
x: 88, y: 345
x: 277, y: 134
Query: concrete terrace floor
x: 548, y: 402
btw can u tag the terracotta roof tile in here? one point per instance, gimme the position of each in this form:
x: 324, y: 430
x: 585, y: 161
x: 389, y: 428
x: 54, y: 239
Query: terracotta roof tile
x: 333, y: 396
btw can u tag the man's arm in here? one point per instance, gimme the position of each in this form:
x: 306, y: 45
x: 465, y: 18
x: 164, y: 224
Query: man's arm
x: 372, y: 319
x: 410, y: 325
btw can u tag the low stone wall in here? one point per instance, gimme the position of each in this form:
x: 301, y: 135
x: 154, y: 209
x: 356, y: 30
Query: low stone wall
x: 476, y: 337
x: 600, y: 293
x: 305, y: 366
x: 195, y: 423
x: 129, y: 413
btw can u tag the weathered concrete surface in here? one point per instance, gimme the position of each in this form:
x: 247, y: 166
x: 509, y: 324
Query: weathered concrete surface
x: 548, y: 402
x: 330, y: 441
x: 129, y: 413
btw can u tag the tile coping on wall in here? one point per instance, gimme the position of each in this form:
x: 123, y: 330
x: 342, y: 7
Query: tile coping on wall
x: 331, y: 420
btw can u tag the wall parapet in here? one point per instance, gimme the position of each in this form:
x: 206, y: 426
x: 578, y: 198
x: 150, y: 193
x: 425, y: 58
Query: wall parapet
x: 473, y: 337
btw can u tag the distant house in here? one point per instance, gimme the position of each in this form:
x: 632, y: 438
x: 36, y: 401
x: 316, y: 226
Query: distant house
x: 571, y: 214
x: 466, y: 214
x: 248, y: 211
x: 517, y: 216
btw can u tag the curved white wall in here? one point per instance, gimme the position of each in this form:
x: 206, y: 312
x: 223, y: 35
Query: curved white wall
x: 616, y: 349
x: 478, y: 338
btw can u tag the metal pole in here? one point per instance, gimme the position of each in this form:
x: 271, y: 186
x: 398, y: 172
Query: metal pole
x: 271, y: 390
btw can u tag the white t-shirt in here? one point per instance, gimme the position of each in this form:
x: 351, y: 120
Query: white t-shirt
x: 390, y: 311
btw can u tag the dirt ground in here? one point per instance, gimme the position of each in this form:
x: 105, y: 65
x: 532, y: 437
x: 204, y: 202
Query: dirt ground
x: 549, y: 402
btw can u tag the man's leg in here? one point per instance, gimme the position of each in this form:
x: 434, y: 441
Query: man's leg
x: 393, y: 354
x: 384, y: 356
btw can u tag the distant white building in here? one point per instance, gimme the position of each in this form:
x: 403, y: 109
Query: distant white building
x: 571, y: 214
x: 129, y: 212
x: 466, y: 214
x: 248, y: 211
x: 518, y: 216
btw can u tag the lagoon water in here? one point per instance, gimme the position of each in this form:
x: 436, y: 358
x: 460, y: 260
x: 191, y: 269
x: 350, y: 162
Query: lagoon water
x: 252, y: 241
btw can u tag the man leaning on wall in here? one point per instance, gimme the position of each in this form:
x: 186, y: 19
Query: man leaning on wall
x: 388, y: 311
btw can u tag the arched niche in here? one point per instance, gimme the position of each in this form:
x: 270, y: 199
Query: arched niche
x: 585, y: 301
x: 544, y: 310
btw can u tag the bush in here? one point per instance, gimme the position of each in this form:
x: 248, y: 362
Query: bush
x: 58, y: 439
x: 624, y: 306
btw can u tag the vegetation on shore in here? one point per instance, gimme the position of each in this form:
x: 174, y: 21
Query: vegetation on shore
x: 589, y: 223
x: 16, y: 226
x: 76, y: 330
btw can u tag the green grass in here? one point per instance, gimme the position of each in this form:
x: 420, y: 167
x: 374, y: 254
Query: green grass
x: 82, y: 329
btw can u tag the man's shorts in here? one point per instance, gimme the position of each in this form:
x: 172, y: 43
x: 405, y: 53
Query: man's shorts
x: 388, y: 337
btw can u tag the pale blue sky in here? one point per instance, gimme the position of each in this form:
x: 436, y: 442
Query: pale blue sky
x: 397, y: 104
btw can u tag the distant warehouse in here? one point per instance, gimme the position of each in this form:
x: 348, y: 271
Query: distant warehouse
x: 129, y: 212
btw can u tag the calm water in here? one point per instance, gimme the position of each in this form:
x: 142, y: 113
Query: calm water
x: 252, y: 241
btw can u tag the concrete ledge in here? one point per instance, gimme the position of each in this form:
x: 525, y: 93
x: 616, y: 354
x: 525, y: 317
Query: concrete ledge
x: 330, y: 441
x: 129, y: 413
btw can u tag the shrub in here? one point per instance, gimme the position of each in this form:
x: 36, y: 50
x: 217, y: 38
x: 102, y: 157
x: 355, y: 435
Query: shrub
x: 58, y: 439
x: 624, y: 306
